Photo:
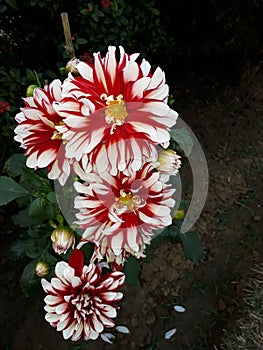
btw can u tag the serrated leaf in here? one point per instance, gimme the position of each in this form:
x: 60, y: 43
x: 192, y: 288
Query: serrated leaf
x: 10, y: 190
x: 15, y: 164
x: 42, y: 210
x: 132, y: 271
x: 192, y: 246
x: 184, y: 139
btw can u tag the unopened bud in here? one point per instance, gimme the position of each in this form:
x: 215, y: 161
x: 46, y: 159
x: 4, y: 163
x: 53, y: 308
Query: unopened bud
x: 169, y: 162
x: 42, y: 269
x: 71, y: 65
x: 30, y: 90
x: 179, y: 215
x: 63, y: 239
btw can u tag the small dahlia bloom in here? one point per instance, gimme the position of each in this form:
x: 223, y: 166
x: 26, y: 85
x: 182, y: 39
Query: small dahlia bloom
x: 40, y: 132
x: 80, y: 302
x: 123, y: 112
x: 63, y: 239
x: 168, y: 162
x: 119, y: 213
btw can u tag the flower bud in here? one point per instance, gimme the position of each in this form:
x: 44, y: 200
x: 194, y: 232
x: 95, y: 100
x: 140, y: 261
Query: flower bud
x: 169, y: 162
x: 179, y: 215
x: 30, y: 89
x: 63, y: 239
x: 71, y: 65
x: 42, y: 269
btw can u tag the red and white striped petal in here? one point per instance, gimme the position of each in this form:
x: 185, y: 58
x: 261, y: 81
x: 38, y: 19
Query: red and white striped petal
x: 40, y: 131
x: 139, y: 112
x: 122, y: 219
x: 81, y: 304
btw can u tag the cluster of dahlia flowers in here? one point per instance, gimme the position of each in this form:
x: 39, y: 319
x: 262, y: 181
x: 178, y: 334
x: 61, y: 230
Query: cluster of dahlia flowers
x: 108, y: 125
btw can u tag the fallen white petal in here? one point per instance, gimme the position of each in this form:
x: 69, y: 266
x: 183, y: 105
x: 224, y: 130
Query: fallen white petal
x: 122, y: 329
x: 179, y: 308
x: 168, y: 335
x: 107, y: 337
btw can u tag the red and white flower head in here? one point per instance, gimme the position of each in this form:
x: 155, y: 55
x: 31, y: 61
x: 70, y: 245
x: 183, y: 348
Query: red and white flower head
x: 119, y: 213
x: 80, y: 302
x: 40, y: 132
x: 125, y: 112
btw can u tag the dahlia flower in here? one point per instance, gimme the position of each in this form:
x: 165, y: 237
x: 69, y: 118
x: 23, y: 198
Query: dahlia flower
x: 123, y: 112
x: 119, y: 213
x: 40, y: 132
x: 80, y: 302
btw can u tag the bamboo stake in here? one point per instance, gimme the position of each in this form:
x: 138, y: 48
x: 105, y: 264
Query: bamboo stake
x: 69, y: 45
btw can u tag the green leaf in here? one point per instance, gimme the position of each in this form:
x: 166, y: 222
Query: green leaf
x: 12, y: 3
x: 51, y: 196
x: 40, y: 209
x: 33, y: 251
x: 184, y: 139
x: 23, y: 219
x: 155, y: 11
x: 18, y: 249
x: 82, y: 41
x: 10, y: 190
x: 15, y: 164
x: 49, y: 258
x: 34, y: 180
x: 29, y: 281
x: 2, y: 8
x: 132, y: 270
x: 192, y: 246
x: 88, y: 250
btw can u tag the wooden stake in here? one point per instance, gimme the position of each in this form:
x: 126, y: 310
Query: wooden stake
x: 69, y: 45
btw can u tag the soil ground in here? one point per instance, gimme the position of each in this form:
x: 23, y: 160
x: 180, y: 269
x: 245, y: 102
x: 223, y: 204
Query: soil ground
x: 227, y: 119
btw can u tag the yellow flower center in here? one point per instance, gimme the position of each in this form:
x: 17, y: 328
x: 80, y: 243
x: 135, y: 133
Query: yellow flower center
x: 115, y: 111
x: 128, y: 200
x: 56, y: 134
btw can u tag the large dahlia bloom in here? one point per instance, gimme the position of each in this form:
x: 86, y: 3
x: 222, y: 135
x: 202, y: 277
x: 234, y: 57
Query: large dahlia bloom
x: 80, y: 302
x: 119, y: 213
x: 40, y: 132
x: 125, y: 112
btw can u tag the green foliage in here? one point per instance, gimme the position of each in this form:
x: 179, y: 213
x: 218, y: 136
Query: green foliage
x: 191, y: 242
x: 10, y: 190
x: 132, y: 271
x: 37, y: 205
x: 183, y: 139
x: 192, y: 246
